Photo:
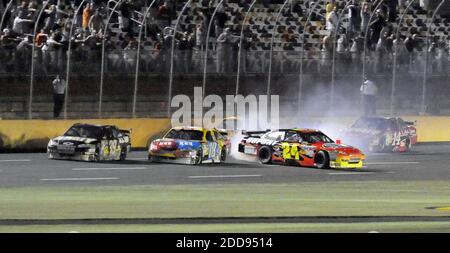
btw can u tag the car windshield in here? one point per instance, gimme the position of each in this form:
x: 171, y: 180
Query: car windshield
x: 85, y: 131
x: 183, y: 134
x: 371, y: 123
x: 315, y: 137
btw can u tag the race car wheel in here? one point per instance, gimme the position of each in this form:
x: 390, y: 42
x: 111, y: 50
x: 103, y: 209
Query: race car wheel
x: 322, y: 160
x: 223, y: 155
x: 199, y: 158
x: 123, y: 155
x: 408, y: 145
x: 265, y: 155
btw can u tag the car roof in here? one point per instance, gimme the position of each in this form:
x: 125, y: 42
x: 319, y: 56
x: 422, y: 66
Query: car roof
x: 92, y: 125
x: 190, y: 128
x: 302, y: 130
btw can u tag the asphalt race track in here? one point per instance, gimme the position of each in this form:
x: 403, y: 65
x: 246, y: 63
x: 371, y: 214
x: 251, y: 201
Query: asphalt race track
x: 426, y: 162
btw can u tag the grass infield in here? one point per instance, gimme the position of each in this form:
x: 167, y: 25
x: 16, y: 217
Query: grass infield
x: 368, y: 198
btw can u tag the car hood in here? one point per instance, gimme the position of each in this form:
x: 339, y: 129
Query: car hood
x: 183, y: 144
x: 340, y: 147
x: 74, y: 140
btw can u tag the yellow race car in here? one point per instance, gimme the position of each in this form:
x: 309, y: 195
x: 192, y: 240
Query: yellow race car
x: 190, y: 145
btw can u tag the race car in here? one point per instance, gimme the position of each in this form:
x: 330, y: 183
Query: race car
x: 381, y: 134
x: 190, y: 145
x: 301, y: 147
x: 88, y: 142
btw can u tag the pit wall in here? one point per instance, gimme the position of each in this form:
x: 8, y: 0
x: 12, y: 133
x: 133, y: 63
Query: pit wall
x: 35, y: 134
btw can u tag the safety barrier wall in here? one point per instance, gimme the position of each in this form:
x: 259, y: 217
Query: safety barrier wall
x: 35, y: 134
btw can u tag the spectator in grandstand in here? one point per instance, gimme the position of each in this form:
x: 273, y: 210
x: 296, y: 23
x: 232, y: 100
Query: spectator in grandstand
x: 332, y: 21
x: 59, y: 90
x: 392, y: 10
x: 164, y: 15
x: 88, y: 11
x: 329, y: 7
x: 224, y: 48
x: 376, y: 26
x: 49, y: 52
x: 19, y: 24
x: 365, y: 16
x: 353, y: 18
x: 369, y: 92
x: 129, y: 55
x: 219, y: 21
x: 96, y: 22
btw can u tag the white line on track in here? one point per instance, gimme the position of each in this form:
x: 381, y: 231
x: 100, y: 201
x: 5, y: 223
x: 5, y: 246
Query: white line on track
x: 19, y: 160
x: 123, y: 168
x: 225, y: 176
x: 390, y: 163
x: 350, y: 173
x: 80, y: 179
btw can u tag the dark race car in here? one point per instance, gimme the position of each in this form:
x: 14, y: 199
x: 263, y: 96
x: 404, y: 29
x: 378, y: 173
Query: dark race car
x: 91, y: 143
x: 381, y: 134
x: 302, y: 147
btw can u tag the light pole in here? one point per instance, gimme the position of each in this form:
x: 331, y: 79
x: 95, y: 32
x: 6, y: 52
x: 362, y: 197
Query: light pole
x: 240, y: 46
x: 69, y: 53
x: 102, y: 71
x: 33, y: 49
x: 302, y: 54
x: 138, y: 57
x: 425, y: 69
x: 271, y: 46
x: 333, y: 62
x: 394, y: 64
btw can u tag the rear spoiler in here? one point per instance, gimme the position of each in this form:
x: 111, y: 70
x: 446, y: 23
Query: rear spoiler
x: 127, y: 132
x: 254, y: 133
x: 411, y: 123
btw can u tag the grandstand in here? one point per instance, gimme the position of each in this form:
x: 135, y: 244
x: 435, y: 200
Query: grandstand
x: 23, y: 30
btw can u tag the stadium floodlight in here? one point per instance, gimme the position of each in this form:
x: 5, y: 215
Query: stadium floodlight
x: 240, y: 45
x: 169, y: 109
x: 207, y: 43
x: 312, y: 8
x: 138, y: 57
x: 33, y: 49
x: 69, y: 53
x: 102, y: 71
x: 425, y: 69
x: 394, y: 64
x: 8, y: 6
x: 333, y: 61
x: 274, y: 30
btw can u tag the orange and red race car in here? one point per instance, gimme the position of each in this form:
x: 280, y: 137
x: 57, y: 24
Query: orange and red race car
x: 302, y: 147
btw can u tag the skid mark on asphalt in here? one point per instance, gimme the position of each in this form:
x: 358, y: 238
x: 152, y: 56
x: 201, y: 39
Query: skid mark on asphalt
x: 118, y: 168
x: 80, y: 179
x: 390, y: 163
x: 18, y: 160
x: 224, y: 176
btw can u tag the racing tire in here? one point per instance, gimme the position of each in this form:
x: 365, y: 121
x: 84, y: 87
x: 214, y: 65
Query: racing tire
x: 199, y: 158
x: 265, y: 155
x: 408, y: 145
x: 123, y: 156
x: 223, y: 155
x: 97, y: 155
x: 322, y: 160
